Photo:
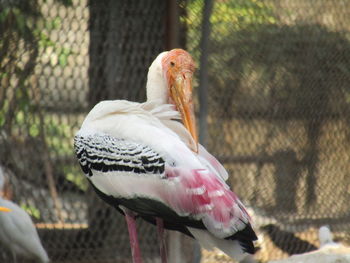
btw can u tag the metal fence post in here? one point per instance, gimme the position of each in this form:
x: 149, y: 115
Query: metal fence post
x: 203, y: 72
x: 203, y: 91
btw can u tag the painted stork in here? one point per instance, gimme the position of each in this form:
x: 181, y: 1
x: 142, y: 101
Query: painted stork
x: 140, y: 159
x: 18, y: 233
x: 4, y: 209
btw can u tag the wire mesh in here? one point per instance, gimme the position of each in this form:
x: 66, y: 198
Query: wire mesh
x: 277, y: 108
x: 47, y: 56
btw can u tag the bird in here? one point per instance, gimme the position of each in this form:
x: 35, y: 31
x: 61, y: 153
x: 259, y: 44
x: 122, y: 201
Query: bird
x: 18, y: 233
x: 326, y: 237
x: 5, y: 187
x: 144, y: 159
x: 4, y: 209
x: 329, y: 251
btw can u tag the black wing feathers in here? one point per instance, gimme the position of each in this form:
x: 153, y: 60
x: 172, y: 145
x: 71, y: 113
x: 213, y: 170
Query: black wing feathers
x: 105, y: 153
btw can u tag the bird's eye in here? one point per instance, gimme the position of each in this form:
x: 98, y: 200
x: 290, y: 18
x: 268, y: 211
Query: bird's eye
x: 172, y: 63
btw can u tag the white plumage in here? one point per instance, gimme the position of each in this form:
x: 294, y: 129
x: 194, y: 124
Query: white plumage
x: 128, y: 120
x: 329, y: 251
x: 326, y: 237
x: 18, y: 233
x: 141, y: 159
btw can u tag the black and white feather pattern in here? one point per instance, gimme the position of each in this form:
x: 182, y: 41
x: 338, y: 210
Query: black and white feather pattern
x: 104, y: 153
x: 130, y: 153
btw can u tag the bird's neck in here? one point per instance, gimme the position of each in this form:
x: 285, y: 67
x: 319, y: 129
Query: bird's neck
x: 157, y: 90
x: 156, y: 86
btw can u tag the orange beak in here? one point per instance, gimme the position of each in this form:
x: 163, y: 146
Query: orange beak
x: 181, y: 93
x: 5, y: 209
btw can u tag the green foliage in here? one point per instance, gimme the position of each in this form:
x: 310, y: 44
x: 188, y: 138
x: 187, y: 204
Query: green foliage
x: 66, y: 2
x: 63, y: 54
x: 31, y: 210
x: 255, y: 57
x: 239, y: 14
x: 25, y: 36
x: 74, y: 175
x: 43, y: 39
x: 227, y: 17
x: 22, y: 22
x: 58, y: 136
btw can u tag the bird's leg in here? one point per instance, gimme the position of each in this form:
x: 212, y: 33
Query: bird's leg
x: 135, y: 248
x: 160, y: 230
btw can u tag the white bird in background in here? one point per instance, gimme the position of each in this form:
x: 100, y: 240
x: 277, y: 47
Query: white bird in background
x: 326, y: 237
x: 140, y: 159
x: 329, y: 251
x: 18, y: 233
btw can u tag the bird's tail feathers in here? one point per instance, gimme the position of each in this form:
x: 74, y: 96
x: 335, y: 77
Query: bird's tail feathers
x: 208, y: 241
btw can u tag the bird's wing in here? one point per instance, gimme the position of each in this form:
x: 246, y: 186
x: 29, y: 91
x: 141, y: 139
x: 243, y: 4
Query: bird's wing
x: 201, y: 194
x: 130, y: 154
x: 167, y: 114
x: 122, y: 168
x: 212, y: 163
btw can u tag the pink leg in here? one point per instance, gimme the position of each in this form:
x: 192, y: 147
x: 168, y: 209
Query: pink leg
x: 160, y: 230
x: 135, y: 249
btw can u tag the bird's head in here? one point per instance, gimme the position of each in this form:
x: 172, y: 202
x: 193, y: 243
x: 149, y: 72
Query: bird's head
x: 5, y: 209
x: 325, y: 235
x: 170, y: 81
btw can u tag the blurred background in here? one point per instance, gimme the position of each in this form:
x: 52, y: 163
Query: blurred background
x: 272, y: 94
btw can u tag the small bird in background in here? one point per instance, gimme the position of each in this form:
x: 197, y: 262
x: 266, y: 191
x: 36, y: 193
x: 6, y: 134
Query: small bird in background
x: 326, y: 237
x: 329, y: 251
x: 18, y: 233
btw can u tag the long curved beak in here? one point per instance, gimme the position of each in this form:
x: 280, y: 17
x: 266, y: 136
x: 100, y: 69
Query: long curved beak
x: 5, y: 209
x: 182, y: 96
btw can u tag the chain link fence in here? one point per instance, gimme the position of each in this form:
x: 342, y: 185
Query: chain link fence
x: 277, y: 112
x: 278, y: 109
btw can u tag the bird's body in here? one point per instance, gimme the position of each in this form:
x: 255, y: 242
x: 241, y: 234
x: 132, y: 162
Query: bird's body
x: 140, y: 158
x: 18, y: 233
x: 130, y: 156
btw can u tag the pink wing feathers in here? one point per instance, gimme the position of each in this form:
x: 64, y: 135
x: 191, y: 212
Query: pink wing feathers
x: 211, y: 163
x: 202, y: 195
